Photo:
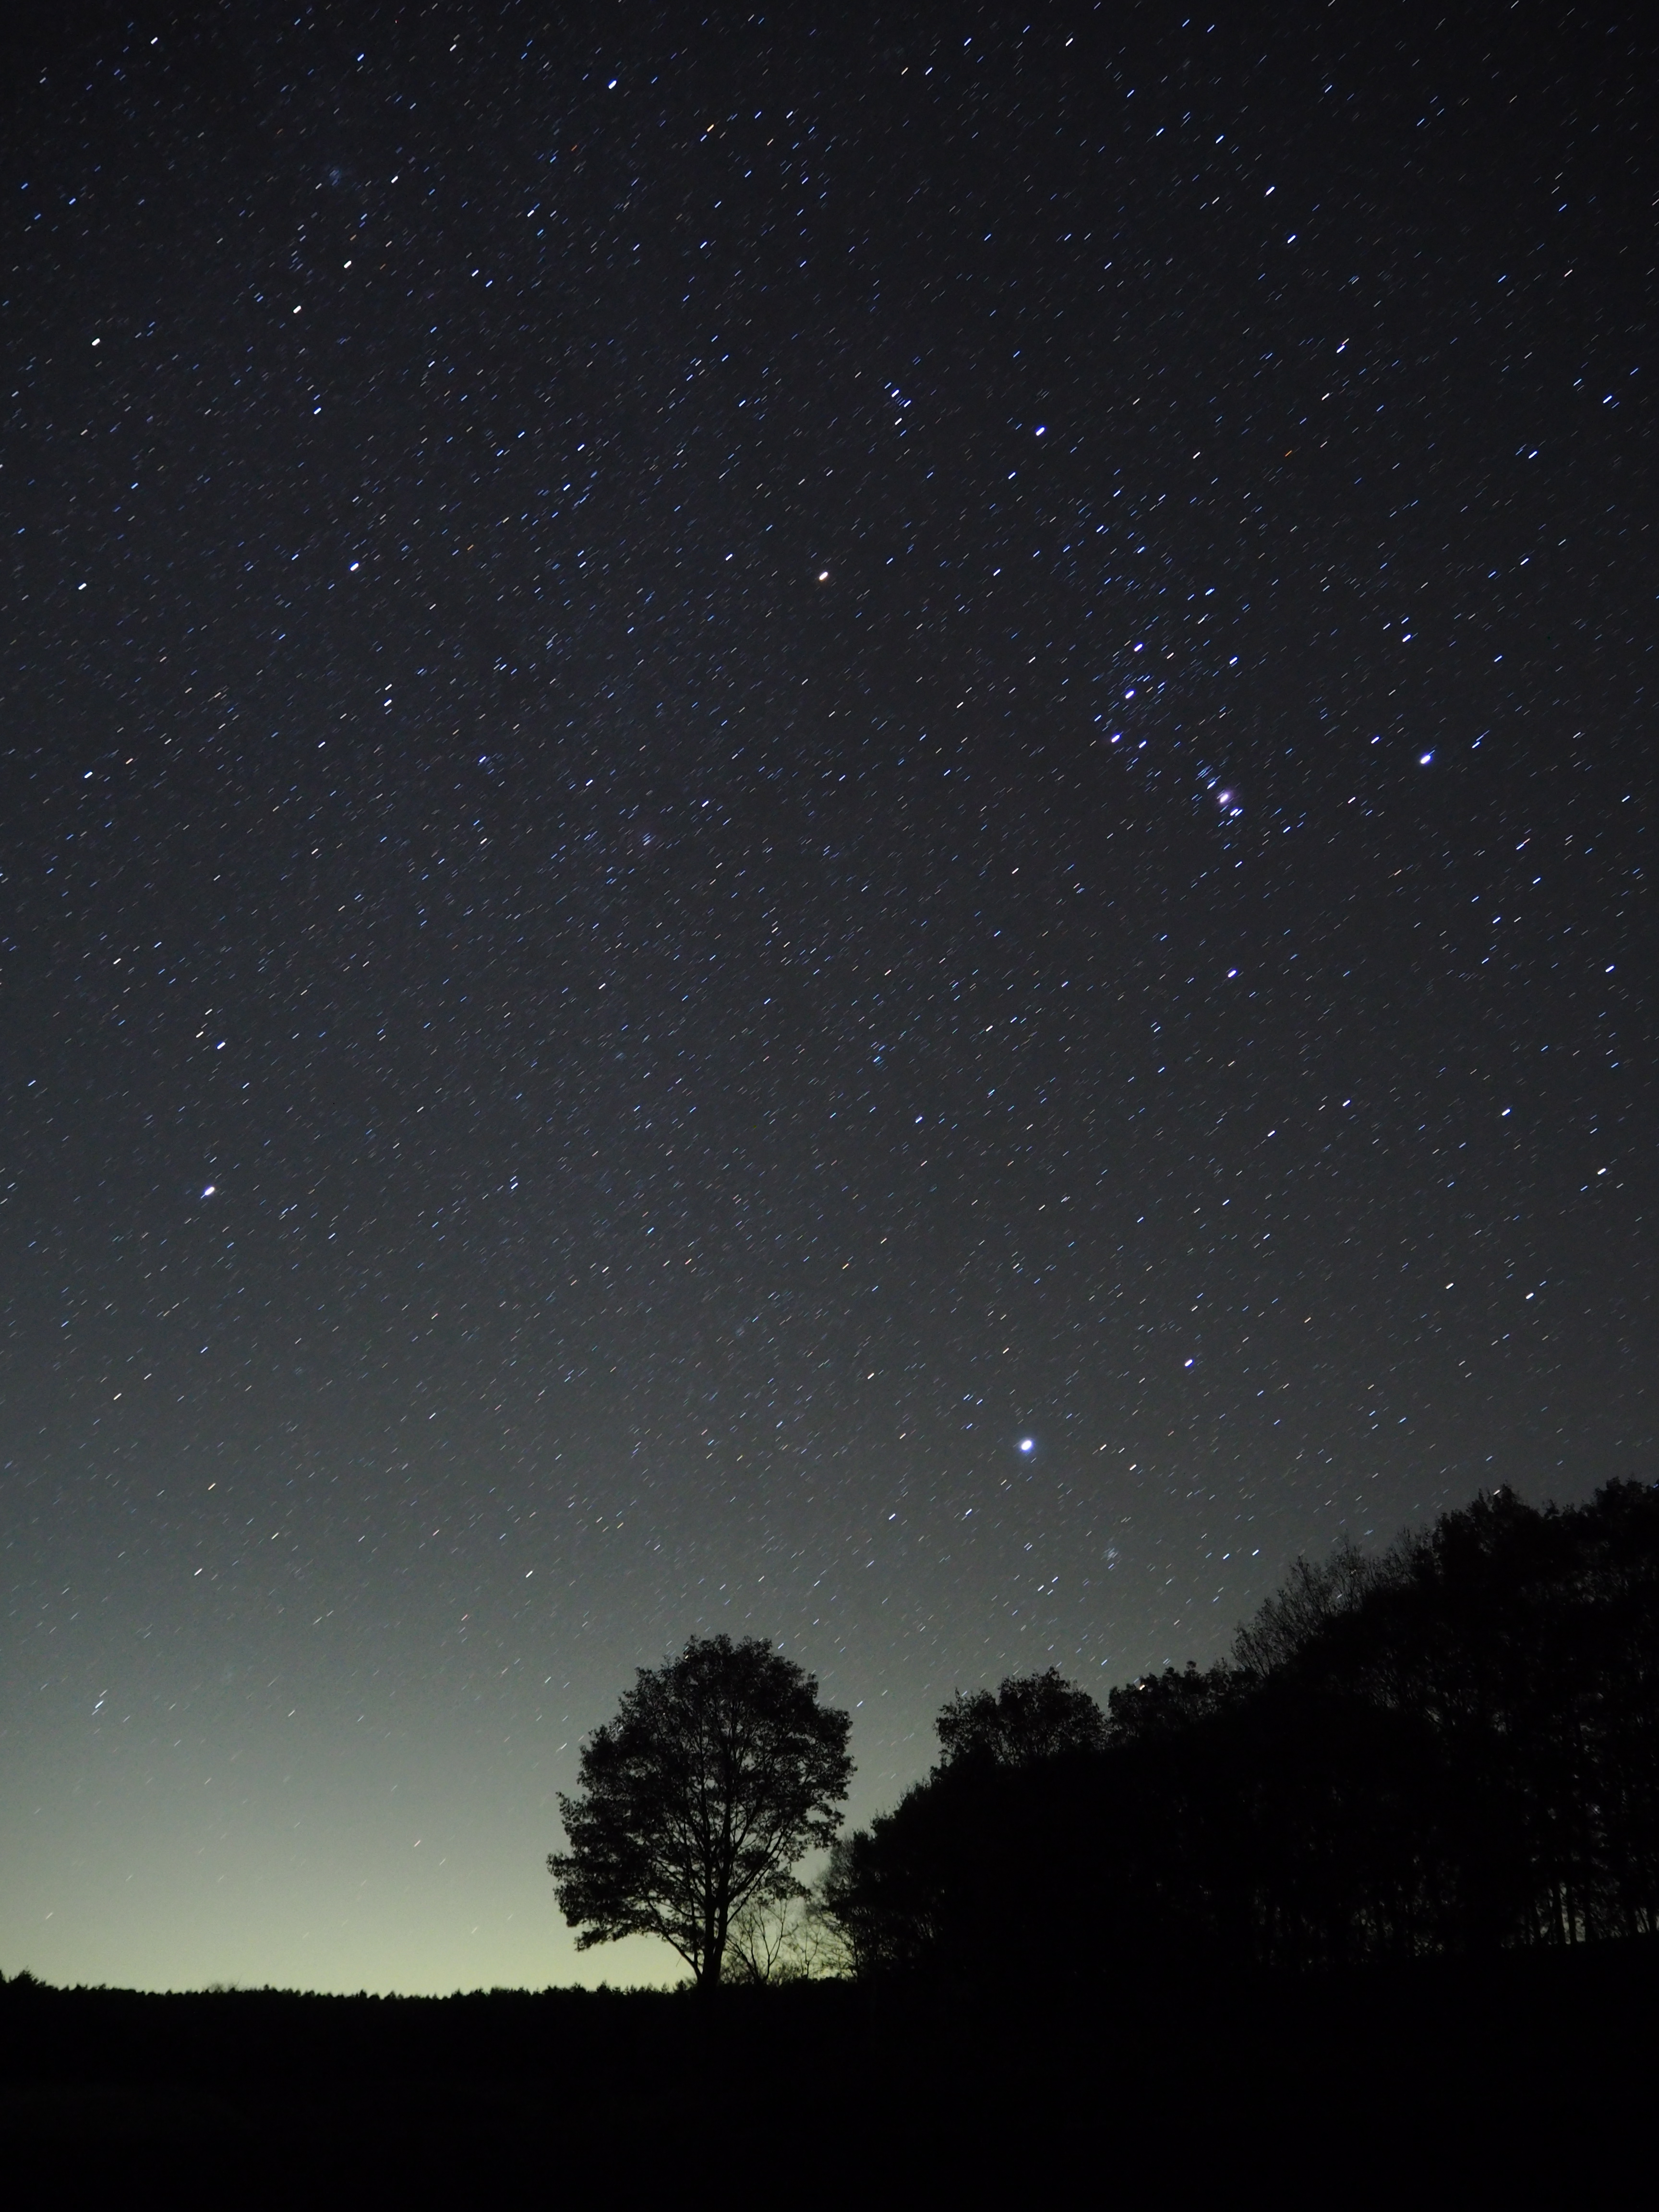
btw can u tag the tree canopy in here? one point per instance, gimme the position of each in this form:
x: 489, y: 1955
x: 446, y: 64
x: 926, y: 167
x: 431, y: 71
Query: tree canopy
x: 1448, y: 1747
x: 720, y: 1770
x: 1029, y: 1716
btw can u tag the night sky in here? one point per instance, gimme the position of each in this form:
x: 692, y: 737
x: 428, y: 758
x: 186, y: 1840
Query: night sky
x: 832, y: 829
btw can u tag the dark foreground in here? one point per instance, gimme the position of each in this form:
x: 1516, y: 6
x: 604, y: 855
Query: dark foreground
x: 1451, y: 2083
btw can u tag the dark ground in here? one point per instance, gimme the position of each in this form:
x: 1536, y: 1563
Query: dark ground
x: 1529, y: 2076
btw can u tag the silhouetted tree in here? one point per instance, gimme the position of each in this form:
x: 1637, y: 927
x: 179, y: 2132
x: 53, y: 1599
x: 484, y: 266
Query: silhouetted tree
x: 1170, y: 1702
x: 786, y: 1937
x: 719, y: 1771
x: 1313, y: 1596
x: 1029, y: 1716
x: 943, y: 1882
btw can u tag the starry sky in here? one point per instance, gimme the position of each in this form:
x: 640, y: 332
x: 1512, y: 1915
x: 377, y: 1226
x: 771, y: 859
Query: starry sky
x: 831, y: 826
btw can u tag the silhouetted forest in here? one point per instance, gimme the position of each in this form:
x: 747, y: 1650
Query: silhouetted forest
x: 1399, y: 1856
x: 1451, y: 1749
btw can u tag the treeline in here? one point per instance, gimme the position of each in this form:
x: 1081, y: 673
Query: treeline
x: 1451, y: 1748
